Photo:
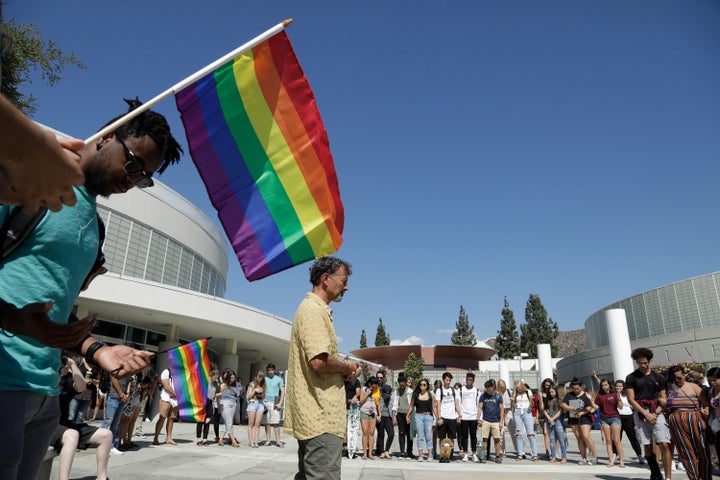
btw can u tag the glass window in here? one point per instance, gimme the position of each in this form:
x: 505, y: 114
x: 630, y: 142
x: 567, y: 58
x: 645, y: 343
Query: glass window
x: 116, y: 238
x: 172, y: 263
x: 654, y: 315
x: 687, y: 305
x: 670, y: 314
x: 154, y: 338
x: 135, y: 335
x: 137, y: 251
x: 186, y: 262
x: 156, y: 257
x: 197, y: 270
x: 707, y: 300
x: 108, y: 329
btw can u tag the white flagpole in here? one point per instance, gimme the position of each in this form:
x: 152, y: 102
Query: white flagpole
x: 192, y: 78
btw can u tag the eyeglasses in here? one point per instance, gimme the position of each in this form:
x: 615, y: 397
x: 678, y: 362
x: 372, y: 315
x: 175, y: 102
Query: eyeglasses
x: 135, y: 167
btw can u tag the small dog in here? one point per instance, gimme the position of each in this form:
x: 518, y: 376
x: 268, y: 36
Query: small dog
x: 446, y: 450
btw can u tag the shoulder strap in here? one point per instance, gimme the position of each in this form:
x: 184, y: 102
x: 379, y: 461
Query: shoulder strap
x: 17, y: 227
x: 98, y: 267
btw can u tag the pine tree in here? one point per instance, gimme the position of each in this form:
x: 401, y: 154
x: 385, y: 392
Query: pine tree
x: 363, y: 339
x: 381, y: 337
x: 463, y: 334
x: 538, y: 328
x: 414, y: 367
x: 507, y: 342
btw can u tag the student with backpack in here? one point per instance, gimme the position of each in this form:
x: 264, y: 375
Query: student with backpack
x: 43, y: 276
x: 448, y: 410
x: 469, y: 395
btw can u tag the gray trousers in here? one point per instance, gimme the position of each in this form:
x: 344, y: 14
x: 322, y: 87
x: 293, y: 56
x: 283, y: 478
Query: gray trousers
x: 319, y: 457
x: 29, y: 422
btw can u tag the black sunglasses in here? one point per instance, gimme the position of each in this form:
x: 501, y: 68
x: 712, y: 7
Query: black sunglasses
x: 136, y: 167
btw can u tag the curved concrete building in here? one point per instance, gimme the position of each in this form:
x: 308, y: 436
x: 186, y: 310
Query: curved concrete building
x: 679, y: 322
x: 439, y: 357
x: 167, y: 276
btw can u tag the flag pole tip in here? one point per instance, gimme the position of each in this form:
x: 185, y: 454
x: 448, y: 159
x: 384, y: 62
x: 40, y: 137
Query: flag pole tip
x: 287, y: 22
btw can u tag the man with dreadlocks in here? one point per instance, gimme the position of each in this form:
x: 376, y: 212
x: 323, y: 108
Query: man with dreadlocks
x: 41, y: 278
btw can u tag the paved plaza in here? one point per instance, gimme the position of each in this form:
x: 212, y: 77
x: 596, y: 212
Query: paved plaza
x: 187, y: 461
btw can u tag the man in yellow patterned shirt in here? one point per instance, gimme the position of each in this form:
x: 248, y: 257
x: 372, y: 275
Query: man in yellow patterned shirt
x: 315, y: 403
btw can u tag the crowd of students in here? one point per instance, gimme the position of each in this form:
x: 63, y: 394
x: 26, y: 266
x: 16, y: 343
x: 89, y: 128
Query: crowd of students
x: 662, y: 415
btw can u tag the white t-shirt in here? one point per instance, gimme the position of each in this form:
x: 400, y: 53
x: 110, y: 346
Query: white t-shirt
x: 522, y: 400
x: 164, y: 395
x: 627, y: 409
x: 447, y: 404
x: 469, y: 402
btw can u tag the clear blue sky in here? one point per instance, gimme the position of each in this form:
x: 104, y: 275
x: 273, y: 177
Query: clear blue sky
x: 484, y: 149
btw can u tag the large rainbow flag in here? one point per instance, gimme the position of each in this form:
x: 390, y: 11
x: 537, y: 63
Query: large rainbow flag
x: 190, y: 371
x: 256, y: 137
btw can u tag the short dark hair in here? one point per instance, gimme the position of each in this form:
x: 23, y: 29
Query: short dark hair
x: 447, y: 375
x: 642, y: 353
x: 154, y: 126
x: 469, y: 375
x: 329, y: 265
x: 490, y: 383
x: 269, y: 366
x: 371, y: 381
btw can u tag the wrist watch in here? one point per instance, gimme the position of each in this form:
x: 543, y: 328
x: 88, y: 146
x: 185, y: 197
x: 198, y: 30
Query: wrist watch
x: 90, y: 353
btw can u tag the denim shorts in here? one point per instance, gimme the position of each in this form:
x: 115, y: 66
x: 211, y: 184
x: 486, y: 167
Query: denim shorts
x: 611, y: 421
x: 256, y: 406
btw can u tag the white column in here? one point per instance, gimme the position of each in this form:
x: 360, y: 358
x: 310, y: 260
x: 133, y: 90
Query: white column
x: 619, y: 339
x: 504, y: 373
x: 544, y: 355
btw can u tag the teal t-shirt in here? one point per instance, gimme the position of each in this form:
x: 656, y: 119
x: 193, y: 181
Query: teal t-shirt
x: 272, y: 387
x: 49, y: 265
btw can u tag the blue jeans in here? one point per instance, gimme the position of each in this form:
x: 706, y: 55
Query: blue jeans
x: 424, y: 424
x: 28, y: 425
x: 525, y: 428
x: 113, y: 413
x: 76, y: 410
x: 556, y: 430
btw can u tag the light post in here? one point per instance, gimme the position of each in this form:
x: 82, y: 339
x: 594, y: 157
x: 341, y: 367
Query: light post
x: 519, y: 358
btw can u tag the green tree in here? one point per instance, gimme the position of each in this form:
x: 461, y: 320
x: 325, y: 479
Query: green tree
x: 27, y: 51
x: 538, y: 327
x: 365, y: 371
x: 507, y: 342
x: 381, y: 337
x: 414, y: 367
x: 463, y: 334
x: 363, y: 339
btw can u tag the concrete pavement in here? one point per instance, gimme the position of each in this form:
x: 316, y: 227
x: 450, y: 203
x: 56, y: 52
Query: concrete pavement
x: 187, y: 461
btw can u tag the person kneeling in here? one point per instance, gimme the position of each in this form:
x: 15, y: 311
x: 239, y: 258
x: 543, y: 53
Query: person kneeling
x: 70, y: 436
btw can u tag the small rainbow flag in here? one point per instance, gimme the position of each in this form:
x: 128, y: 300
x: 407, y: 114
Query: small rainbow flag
x: 256, y: 137
x: 190, y: 371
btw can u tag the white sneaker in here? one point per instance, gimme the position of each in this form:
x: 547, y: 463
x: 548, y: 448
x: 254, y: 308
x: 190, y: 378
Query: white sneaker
x: 589, y: 462
x: 465, y: 458
x: 115, y: 451
x: 679, y: 467
x: 475, y: 458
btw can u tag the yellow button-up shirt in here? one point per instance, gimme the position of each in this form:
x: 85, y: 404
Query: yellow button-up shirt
x: 315, y: 402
